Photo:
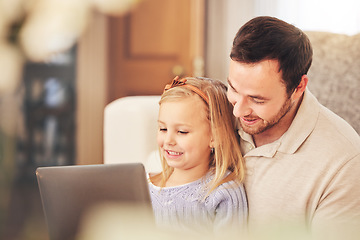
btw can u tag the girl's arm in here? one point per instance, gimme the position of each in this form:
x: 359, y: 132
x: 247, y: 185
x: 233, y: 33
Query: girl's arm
x: 230, y: 208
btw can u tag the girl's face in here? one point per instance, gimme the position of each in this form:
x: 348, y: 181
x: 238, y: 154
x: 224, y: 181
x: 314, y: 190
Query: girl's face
x: 184, y: 134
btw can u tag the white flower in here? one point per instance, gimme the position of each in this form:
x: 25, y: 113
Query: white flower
x: 53, y: 26
x: 11, y: 65
x: 12, y: 10
x: 114, y: 7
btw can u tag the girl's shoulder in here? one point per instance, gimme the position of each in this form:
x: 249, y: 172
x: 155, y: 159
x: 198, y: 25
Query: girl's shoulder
x: 230, y: 193
x: 154, y: 179
x: 230, y: 186
x: 229, y: 189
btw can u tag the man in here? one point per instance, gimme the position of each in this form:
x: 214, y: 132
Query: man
x: 302, y: 160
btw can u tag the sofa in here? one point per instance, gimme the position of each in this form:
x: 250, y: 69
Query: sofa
x: 334, y: 78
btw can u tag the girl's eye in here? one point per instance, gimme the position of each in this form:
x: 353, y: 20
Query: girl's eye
x: 183, y: 132
x: 162, y: 129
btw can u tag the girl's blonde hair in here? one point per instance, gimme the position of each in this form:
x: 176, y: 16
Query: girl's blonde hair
x: 226, y: 155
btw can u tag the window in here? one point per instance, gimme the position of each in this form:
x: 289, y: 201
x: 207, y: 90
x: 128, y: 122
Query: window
x: 315, y: 15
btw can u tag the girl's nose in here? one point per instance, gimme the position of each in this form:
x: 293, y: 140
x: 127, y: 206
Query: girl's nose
x: 169, y: 139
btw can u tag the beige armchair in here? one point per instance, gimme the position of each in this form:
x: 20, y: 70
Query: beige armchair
x: 130, y: 122
x: 130, y: 126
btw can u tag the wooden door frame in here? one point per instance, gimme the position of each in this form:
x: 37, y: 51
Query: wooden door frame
x: 92, y: 61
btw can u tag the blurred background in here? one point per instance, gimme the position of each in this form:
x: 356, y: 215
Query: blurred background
x: 62, y: 61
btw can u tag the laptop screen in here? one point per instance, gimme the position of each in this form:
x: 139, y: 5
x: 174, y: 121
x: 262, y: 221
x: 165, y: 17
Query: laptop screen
x: 68, y: 192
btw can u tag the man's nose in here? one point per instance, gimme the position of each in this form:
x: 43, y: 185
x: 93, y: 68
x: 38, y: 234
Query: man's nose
x: 241, y: 107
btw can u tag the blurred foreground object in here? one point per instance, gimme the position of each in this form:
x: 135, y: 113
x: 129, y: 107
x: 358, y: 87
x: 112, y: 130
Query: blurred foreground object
x: 121, y: 221
x: 130, y: 221
x: 114, y: 7
x: 11, y: 63
x: 38, y: 30
x: 53, y: 26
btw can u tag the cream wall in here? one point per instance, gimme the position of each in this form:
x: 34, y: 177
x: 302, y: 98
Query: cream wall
x: 224, y: 18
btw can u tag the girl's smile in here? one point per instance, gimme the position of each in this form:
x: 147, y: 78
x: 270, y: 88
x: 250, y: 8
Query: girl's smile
x: 184, y: 135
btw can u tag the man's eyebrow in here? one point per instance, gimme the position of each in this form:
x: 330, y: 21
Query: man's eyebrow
x: 251, y: 96
x: 258, y: 97
x: 229, y: 83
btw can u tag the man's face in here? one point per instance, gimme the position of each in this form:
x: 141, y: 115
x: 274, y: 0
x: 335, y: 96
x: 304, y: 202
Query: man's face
x: 259, y: 96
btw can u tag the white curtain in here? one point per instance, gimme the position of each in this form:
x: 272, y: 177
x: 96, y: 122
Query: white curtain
x: 340, y: 16
x: 225, y: 17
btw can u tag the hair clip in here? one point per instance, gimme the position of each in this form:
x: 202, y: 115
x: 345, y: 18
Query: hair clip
x: 175, y: 82
x: 182, y: 82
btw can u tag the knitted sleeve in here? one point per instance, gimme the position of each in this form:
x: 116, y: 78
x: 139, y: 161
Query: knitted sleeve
x: 230, y: 206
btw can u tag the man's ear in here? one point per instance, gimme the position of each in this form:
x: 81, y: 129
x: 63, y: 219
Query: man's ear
x: 300, y: 89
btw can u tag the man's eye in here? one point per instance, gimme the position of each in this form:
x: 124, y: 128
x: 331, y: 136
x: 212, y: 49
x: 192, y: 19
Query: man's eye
x: 258, y: 101
x: 230, y: 89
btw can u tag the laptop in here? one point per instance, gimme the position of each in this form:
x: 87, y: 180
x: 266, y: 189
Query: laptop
x: 68, y: 192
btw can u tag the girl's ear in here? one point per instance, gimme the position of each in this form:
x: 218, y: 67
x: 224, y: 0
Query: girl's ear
x: 212, y: 144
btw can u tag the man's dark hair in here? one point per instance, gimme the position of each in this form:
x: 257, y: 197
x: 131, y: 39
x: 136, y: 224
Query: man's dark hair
x: 269, y: 38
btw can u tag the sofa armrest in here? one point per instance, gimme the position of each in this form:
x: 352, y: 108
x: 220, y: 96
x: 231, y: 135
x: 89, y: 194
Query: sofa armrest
x: 130, y: 127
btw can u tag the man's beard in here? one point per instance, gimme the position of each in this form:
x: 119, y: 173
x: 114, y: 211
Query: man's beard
x: 265, y: 125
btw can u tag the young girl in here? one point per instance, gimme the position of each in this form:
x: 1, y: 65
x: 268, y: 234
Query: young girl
x: 200, y: 187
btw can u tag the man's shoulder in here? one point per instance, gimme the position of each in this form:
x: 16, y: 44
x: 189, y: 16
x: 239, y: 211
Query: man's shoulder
x: 327, y: 126
x: 335, y: 129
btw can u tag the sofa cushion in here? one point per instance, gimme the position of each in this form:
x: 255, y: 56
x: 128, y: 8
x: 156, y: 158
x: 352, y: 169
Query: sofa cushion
x: 334, y: 77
